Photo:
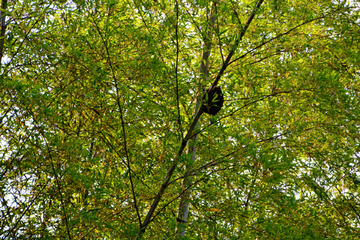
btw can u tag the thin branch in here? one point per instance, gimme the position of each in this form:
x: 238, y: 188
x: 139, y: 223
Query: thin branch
x: 176, y: 67
x: 217, y: 30
x: 195, y: 24
x: 21, y: 44
x: 237, y: 41
x: 184, y: 190
x: 58, y: 184
x: 25, y: 210
x: 122, y: 121
x: 209, y: 164
x: 280, y: 35
x: 240, y: 108
x: 55, y: 175
x: 123, y: 161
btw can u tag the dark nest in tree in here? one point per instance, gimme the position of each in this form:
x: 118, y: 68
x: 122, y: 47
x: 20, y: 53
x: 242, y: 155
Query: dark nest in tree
x: 213, y: 101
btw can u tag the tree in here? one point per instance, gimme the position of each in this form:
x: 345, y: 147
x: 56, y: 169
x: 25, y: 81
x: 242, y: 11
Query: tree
x: 103, y: 134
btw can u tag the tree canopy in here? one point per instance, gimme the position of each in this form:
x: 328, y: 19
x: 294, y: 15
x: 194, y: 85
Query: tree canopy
x: 103, y: 133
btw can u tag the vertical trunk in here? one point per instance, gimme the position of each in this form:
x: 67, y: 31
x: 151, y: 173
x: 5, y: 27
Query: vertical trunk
x: 184, y: 200
x: 204, y: 72
x: 3, y: 28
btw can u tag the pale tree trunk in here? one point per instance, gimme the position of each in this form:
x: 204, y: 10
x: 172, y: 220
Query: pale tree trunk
x: 204, y: 72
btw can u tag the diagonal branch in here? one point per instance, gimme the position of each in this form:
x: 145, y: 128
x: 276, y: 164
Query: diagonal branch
x: 192, y: 127
x: 58, y: 182
x: 236, y: 44
x: 3, y: 28
x: 121, y: 110
x: 280, y: 35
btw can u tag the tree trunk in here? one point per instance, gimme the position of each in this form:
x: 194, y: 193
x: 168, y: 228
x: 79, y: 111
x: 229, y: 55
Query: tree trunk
x: 204, y: 71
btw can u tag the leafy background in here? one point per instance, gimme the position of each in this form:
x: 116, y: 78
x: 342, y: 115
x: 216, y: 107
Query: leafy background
x: 97, y: 97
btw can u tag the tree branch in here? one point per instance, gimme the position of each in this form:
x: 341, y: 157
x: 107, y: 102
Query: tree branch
x: 122, y: 122
x: 192, y: 127
x: 234, y: 47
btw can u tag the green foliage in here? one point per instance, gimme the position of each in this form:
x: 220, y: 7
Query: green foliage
x: 97, y: 97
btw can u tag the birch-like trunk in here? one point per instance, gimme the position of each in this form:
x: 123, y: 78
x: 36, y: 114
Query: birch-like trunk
x: 204, y: 72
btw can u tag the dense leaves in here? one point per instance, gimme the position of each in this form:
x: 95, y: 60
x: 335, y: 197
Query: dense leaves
x: 97, y: 98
